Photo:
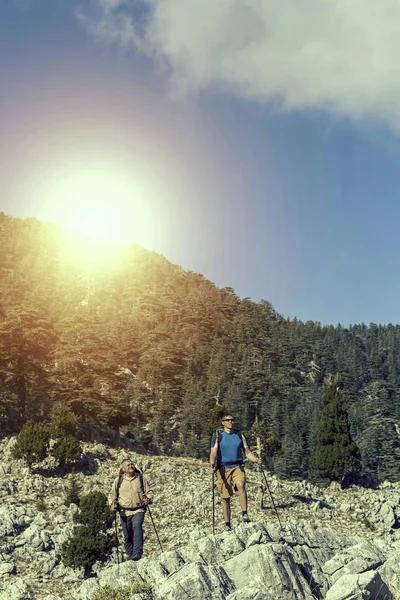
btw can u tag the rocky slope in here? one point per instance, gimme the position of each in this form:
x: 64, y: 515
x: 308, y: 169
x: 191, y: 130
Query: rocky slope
x: 327, y: 543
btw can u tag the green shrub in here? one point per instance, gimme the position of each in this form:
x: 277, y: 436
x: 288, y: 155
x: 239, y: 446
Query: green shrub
x: 335, y: 451
x: 91, y: 541
x: 63, y: 420
x: 107, y: 592
x: 94, y: 512
x: 67, y: 449
x: 73, y: 491
x: 85, y: 548
x: 367, y: 523
x: 32, y: 443
x: 41, y: 505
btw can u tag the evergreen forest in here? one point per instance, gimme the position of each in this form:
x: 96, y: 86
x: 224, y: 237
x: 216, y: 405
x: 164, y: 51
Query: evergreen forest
x: 138, y: 345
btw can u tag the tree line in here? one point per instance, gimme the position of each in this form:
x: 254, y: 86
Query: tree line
x: 147, y: 348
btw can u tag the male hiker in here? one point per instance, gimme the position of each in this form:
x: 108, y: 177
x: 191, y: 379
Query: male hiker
x: 226, y: 458
x: 130, y: 494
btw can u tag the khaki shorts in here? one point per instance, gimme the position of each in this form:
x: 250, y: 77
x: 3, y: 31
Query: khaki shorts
x: 228, y: 478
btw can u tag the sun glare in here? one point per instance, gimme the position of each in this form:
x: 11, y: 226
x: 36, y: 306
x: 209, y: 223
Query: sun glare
x: 100, y: 206
x: 88, y: 253
x: 106, y: 207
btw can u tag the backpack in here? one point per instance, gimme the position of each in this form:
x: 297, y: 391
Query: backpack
x: 217, y: 435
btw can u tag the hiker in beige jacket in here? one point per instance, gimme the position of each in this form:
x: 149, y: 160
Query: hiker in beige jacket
x: 129, y: 495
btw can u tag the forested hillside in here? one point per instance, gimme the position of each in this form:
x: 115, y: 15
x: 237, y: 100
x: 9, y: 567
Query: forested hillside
x: 137, y: 342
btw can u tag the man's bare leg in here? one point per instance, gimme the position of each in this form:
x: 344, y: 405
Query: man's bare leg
x: 226, y: 509
x: 242, y: 496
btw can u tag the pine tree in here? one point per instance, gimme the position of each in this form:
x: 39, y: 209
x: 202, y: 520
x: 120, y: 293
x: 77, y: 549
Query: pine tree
x: 378, y: 432
x: 335, y: 452
x: 73, y: 491
x: 32, y: 443
x: 91, y: 540
x: 67, y: 449
x: 63, y: 422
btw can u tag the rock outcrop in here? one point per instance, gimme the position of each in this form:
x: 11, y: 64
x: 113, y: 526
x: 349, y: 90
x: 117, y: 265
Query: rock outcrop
x: 333, y: 543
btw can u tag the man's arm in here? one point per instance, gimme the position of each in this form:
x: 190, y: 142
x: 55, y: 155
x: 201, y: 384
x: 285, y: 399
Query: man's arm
x: 147, y: 491
x: 252, y: 456
x: 214, y: 450
x: 213, y: 457
x: 112, y: 496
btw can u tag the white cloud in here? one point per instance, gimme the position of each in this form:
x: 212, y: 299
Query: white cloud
x: 335, y: 55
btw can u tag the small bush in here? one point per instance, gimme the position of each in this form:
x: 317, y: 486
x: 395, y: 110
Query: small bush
x: 32, y: 443
x: 67, y: 449
x: 124, y: 592
x: 91, y: 541
x: 63, y: 420
x: 41, y: 505
x: 367, y: 523
x: 85, y: 548
x: 73, y: 492
x: 94, y: 512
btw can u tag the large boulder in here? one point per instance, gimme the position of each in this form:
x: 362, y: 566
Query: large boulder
x: 213, y: 549
x: 366, y: 586
x: 270, y: 567
x: 196, y: 580
x: 390, y: 573
x: 17, y: 590
x: 359, y: 558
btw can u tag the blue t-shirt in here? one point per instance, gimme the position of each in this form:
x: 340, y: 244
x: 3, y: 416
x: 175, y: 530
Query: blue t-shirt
x: 230, y: 449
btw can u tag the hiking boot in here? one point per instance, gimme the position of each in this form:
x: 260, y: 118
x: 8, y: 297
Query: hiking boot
x: 246, y: 519
x: 136, y: 557
x: 228, y: 528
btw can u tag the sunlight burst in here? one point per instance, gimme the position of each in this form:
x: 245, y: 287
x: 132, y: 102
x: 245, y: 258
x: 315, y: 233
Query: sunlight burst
x: 103, y: 206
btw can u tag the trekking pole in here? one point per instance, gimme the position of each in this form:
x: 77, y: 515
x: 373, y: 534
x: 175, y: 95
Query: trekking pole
x: 155, y: 530
x: 116, y: 537
x: 269, y: 490
x: 213, y: 501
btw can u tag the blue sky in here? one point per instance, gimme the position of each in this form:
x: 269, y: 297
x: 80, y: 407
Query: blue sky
x: 269, y: 162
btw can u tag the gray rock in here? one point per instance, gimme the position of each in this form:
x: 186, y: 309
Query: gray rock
x: 213, y: 549
x: 7, y: 568
x: 88, y: 588
x: 366, y: 586
x: 196, y: 581
x: 253, y: 593
x: 353, y: 560
x: 9, y: 524
x: 258, y: 537
x: 36, y: 537
x: 271, y: 567
x: 245, y: 531
x: 118, y: 575
x: 156, y: 571
x: 17, y: 590
x: 390, y: 573
x: 388, y: 515
x: 49, y: 562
